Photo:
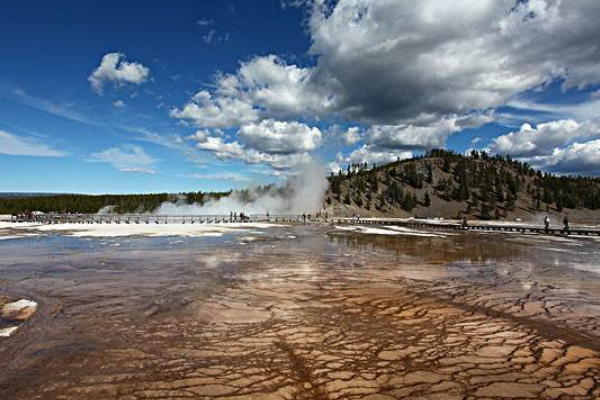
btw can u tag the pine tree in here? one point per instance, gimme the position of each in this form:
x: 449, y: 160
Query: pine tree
x: 347, y: 199
x: 547, y: 196
x: 496, y: 214
x: 373, y: 181
x: 485, y: 211
x: 463, y: 190
x: 426, y: 200
x: 429, y: 178
x: 409, y: 202
x: 510, y: 201
x: 446, y: 165
x: 499, y: 190
x: 381, y: 205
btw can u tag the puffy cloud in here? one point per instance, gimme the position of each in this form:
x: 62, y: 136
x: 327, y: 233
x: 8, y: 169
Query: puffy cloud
x: 128, y: 158
x: 367, y: 154
x: 409, y: 136
x: 415, y: 71
x: 280, y: 137
x: 334, y: 166
x: 543, y: 139
x: 114, y: 68
x: 263, y: 83
x: 221, y: 148
x: 351, y: 136
x: 563, y: 146
x: 372, y: 155
x: 578, y: 158
x: 14, y: 145
x: 280, y: 88
x: 390, y: 61
x: 233, y: 150
x: 204, y: 110
x: 422, y: 137
x: 119, y: 104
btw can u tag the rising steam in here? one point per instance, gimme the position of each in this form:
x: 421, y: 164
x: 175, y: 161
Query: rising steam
x: 302, y: 193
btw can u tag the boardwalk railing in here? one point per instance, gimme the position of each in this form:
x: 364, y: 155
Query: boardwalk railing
x: 152, y: 219
x: 439, y: 224
x: 224, y: 219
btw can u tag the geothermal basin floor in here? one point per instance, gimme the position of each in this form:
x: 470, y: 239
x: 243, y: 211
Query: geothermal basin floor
x: 303, y: 313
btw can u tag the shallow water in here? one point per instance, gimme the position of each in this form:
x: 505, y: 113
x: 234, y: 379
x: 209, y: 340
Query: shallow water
x: 302, y: 312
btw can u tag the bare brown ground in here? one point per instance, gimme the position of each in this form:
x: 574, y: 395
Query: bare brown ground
x: 305, y: 318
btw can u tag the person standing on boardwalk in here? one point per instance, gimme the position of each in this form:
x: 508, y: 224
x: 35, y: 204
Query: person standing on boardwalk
x: 304, y: 218
x: 464, y: 222
x: 547, y: 224
x: 566, y: 225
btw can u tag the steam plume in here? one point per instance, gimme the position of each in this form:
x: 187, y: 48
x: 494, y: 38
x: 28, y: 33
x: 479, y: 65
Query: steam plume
x: 302, y: 193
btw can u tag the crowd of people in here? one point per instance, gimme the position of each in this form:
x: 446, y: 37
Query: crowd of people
x: 241, y: 217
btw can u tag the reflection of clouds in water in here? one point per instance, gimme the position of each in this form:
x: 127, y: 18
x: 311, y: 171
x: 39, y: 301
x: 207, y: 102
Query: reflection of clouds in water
x: 503, y: 271
x: 569, y: 251
x: 392, y: 230
x: 588, y: 267
x: 215, y: 260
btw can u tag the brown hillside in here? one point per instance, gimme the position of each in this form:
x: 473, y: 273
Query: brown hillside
x: 479, y: 186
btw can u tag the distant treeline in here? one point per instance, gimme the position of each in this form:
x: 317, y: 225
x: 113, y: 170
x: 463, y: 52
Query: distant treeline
x: 91, y: 204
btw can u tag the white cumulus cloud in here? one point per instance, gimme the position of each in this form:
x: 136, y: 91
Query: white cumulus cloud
x: 113, y: 68
x: 413, y: 73
x: 544, y: 138
x: 280, y: 137
x: 578, y: 158
x: 233, y: 150
x: 391, y: 61
x: 434, y: 134
x: 351, y: 136
x: 221, y: 112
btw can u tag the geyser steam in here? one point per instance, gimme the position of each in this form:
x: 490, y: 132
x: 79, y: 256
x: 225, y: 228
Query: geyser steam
x: 302, y: 193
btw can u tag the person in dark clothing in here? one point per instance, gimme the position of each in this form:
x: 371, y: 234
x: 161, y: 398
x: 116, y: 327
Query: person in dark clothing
x: 304, y: 218
x: 464, y: 222
x: 566, y: 225
x: 547, y: 224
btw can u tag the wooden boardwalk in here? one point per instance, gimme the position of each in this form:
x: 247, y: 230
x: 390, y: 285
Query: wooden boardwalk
x: 151, y: 219
x: 473, y: 226
x: 224, y: 219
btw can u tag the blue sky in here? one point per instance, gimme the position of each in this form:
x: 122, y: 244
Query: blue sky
x: 181, y: 95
